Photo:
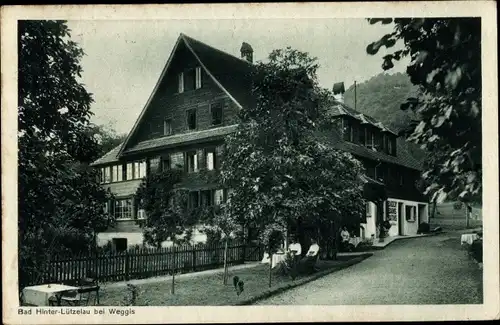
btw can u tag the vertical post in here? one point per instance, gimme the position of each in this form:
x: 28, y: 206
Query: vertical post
x: 173, y: 269
x: 194, y: 257
x: 127, y: 266
x: 270, y: 266
x: 355, y: 94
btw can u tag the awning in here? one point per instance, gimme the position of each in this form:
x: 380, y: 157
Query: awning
x: 373, y: 190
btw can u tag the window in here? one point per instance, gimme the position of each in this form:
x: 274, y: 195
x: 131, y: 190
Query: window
x: 393, y: 146
x: 193, y: 200
x: 192, y: 162
x: 190, y: 80
x: 216, y: 112
x: 141, y: 214
x: 120, y: 244
x: 207, y: 198
x: 191, y: 119
x: 117, y: 173
x: 107, y: 174
x: 139, y: 169
x: 181, y: 82
x: 210, y: 159
x: 106, y: 208
x: 167, y: 127
x: 101, y: 175
x: 362, y: 135
x: 130, y: 171
x: 377, y: 140
x: 165, y: 164
x: 177, y: 160
x: 410, y: 212
x: 347, y: 129
x: 123, y: 209
x: 369, y: 137
x: 219, y: 197
x: 389, y: 145
x: 198, y: 78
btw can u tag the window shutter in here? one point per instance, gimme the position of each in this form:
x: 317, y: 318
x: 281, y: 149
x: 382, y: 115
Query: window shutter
x: 198, y: 77
x: 181, y: 82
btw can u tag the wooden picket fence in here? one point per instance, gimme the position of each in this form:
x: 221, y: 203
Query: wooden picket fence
x: 139, y: 263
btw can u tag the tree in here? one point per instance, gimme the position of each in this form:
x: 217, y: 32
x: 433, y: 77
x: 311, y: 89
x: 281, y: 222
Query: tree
x: 219, y: 220
x: 381, y: 97
x: 281, y: 173
x: 168, y: 216
x: 446, y: 65
x: 60, y: 203
x: 106, y: 137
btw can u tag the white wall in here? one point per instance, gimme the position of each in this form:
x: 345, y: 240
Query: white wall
x: 409, y: 227
x: 370, y: 228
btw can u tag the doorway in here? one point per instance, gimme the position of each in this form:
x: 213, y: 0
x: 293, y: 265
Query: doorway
x: 400, y: 219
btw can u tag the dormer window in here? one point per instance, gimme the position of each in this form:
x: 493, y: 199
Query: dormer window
x: 216, y: 112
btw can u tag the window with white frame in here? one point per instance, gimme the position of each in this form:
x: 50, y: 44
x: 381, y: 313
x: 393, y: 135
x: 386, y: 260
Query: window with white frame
x: 210, y: 159
x: 117, y: 173
x: 167, y: 126
x: 219, y: 197
x: 107, y: 174
x: 139, y: 169
x: 410, y: 213
x: 123, y: 209
x: 192, y: 162
x: 130, y: 171
x: 216, y: 112
x: 180, y: 79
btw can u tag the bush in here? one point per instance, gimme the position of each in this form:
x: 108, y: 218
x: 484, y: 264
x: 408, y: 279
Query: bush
x: 424, y: 228
x: 476, y: 250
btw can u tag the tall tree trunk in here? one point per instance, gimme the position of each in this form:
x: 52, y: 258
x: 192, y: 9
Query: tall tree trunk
x: 225, y: 261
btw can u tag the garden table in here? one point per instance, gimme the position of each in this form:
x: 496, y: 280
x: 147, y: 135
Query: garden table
x: 468, y: 238
x: 39, y: 295
x: 277, y: 257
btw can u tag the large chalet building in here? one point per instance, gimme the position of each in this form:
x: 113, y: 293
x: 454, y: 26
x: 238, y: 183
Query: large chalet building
x: 195, y: 104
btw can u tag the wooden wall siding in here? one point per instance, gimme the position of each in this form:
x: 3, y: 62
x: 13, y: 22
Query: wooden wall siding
x: 124, y: 226
x: 125, y: 188
x: 169, y: 104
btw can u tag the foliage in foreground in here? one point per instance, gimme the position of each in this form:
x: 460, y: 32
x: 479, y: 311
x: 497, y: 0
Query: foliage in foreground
x: 446, y: 66
x: 60, y: 200
x: 280, y: 174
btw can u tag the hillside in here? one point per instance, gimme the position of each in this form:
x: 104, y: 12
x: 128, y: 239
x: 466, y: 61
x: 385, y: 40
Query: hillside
x: 381, y: 97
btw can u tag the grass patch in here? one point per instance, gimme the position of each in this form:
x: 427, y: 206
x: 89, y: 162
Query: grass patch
x: 208, y: 290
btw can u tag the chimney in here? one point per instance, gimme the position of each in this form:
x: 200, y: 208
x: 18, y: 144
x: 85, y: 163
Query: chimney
x: 246, y: 52
x: 338, y: 91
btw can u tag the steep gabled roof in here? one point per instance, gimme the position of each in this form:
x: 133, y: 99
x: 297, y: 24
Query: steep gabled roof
x: 402, y: 158
x: 230, y: 73
x: 337, y: 108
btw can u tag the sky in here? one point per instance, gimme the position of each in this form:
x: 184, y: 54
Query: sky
x: 123, y: 59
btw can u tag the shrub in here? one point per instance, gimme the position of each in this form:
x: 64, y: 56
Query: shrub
x: 131, y: 295
x: 423, y: 228
x: 284, y: 266
x: 476, y: 250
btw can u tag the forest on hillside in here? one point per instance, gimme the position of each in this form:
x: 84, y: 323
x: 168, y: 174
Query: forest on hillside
x: 381, y: 97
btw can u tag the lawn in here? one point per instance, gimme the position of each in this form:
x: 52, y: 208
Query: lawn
x: 208, y: 290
